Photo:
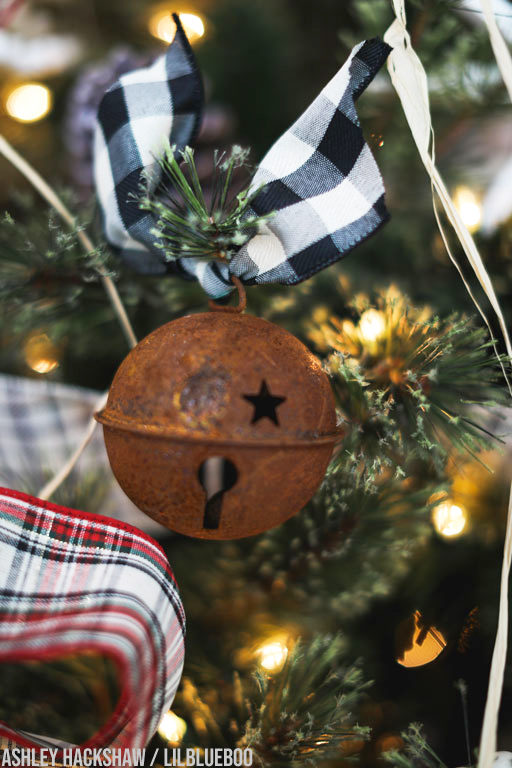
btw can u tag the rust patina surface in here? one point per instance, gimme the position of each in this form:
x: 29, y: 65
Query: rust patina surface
x: 224, y: 385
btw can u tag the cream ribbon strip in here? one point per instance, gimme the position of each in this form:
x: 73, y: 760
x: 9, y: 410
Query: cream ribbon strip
x: 410, y: 82
x: 499, y: 46
x: 488, y: 740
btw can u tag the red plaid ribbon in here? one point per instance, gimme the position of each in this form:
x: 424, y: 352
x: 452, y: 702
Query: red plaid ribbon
x: 70, y: 581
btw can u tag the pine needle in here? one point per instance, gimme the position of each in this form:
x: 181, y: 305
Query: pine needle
x: 186, y: 224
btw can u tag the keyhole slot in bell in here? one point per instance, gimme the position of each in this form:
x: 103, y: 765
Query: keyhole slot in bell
x: 216, y: 475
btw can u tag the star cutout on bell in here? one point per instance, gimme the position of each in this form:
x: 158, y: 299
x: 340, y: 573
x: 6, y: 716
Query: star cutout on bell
x: 265, y: 404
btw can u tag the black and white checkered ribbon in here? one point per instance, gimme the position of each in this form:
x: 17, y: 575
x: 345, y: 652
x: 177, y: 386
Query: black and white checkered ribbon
x: 320, y: 177
x: 136, y: 117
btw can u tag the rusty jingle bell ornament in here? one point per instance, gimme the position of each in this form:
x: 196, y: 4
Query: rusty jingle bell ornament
x: 221, y: 425
x: 212, y: 437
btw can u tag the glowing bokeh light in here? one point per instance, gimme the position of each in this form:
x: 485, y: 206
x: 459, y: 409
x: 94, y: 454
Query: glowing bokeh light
x: 372, y: 325
x: 41, y: 353
x: 29, y: 102
x: 172, y: 728
x: 469, y: 207
x: 272, y: 656
x: 449, y: 519
x: 425, y: 646
x: 162, y: 26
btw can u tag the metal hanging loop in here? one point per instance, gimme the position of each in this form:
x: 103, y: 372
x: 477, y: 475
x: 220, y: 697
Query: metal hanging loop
x: 242, y: 299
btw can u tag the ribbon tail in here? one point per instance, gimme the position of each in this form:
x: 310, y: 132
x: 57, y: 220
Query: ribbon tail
x: 141, y: 112
x: 321, y: 179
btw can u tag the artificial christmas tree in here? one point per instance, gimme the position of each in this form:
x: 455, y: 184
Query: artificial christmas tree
x: 407, y: 524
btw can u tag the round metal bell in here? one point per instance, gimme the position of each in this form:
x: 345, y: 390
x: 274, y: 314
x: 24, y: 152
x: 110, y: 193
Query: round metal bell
x: 220, y: 425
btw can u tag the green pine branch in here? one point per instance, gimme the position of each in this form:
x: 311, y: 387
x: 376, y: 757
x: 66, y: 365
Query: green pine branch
x: 191, y: 224
x: 305, y: 713
x: 318, y: 552
x: 416, y: 753
x: 413, y: 390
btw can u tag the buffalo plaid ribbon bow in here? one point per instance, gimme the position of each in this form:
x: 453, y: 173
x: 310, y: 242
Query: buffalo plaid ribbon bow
x: 73, y: 582
x: 320, y: 177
